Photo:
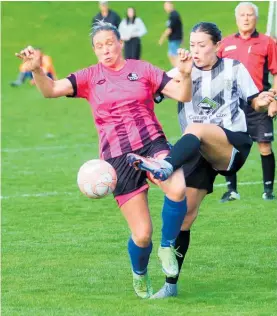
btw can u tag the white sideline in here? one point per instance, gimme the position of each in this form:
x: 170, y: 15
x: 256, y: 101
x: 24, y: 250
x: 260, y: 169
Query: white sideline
x: 58, y: 147
x: 54, y: 193
x: 41, y: 148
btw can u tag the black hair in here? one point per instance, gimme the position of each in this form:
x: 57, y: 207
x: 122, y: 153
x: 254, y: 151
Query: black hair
x: 210, y: 29
x: 131, y: 20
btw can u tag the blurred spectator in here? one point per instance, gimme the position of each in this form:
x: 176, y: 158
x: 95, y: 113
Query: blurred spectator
x: 46, y: 65
x: 107, y: 14
x: 131, y: 29
x: 174, y: 32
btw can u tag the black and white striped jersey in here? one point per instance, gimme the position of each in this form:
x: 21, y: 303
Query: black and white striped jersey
x: 217, y: 95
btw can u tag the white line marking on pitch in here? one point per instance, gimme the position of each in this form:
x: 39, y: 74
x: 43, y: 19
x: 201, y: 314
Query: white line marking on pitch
x: 41, y: 148
x: 59, y: 147
x: 54, y: 193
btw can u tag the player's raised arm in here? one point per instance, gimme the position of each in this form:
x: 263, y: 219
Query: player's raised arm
x: 180, y: 88
x: 48, y: 87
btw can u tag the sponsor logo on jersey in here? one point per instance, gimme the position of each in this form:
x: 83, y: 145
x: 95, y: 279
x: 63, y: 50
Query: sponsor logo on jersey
x: 132, y: 76
x: 207, y: 106
x: 101, y: 81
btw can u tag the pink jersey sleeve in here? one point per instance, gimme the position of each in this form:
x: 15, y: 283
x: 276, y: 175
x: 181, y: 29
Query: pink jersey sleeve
x: 80, y: 83
x: 157, y: 77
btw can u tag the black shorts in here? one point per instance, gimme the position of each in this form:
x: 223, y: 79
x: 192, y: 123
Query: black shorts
x: 260, y: 126
x: 200, y: 174
x: 129, y: 179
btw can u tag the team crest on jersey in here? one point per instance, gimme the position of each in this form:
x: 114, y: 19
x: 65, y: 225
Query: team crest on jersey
x: 132, y: 76
x: 206, y: 106
x: 228, y: 84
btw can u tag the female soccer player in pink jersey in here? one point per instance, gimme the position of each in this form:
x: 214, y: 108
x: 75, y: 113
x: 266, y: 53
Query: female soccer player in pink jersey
x: 120, y: 93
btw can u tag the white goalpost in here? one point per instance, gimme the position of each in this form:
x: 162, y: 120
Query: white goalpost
x: 271, y: 28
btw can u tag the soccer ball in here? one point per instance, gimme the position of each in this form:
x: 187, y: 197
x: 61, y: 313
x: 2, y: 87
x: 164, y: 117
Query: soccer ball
x: 96, y: 178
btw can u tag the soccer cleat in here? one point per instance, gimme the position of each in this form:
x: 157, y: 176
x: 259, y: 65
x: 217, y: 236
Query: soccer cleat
x: 160, y: 169
x: 142, y: 285
x: 15, y: 83
x: 230, y: 196
x: 167, y: 256
x: 268, y: 196
x: 168, y: 290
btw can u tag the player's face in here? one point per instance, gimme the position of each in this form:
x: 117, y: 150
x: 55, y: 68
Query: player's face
x: 246, y: 19
x: 167, y: 7
x: 203, y: 50
x: 107, y: 48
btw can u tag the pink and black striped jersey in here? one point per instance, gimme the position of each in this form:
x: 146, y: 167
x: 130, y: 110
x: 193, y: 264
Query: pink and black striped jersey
x: 122, y: 104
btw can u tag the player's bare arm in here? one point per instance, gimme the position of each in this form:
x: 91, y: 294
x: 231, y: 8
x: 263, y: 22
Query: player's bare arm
x: 48, y: 87
x: 180, y: 89
x: 164, y: 36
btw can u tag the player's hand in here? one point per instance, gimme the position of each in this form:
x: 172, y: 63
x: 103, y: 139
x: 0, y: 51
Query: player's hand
x: 31, y: 58
x: 184, y: 61
x: 263, y: 101
x: 272, y: 109
x: 160, y: 41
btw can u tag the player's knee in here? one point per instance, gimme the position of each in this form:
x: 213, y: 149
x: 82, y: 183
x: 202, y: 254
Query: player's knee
x: 265, y: 148
x: 177, y: 189
x: 143, y: 237
x: 178, y: 193
x: 194, y: 128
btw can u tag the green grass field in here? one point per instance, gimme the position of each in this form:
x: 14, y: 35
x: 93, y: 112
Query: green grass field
x: 63, y: 254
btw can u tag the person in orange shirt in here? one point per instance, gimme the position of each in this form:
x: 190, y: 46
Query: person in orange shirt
x: 46, y: 65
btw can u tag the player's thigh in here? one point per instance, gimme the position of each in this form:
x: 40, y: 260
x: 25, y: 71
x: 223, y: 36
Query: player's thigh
x: 137, y: 215
x: 215, y: 146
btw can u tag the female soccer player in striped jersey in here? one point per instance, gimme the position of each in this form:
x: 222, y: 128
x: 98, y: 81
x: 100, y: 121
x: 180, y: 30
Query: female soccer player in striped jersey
x: 121, y: 93
x: 215, y: 138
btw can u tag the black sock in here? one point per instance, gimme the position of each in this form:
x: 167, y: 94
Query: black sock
x: 232, y: 182
x: 268, y: 165
x: 185, y: 148
x: 181, y: 245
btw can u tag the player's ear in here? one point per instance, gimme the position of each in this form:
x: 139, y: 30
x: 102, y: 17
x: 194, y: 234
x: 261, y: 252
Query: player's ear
x: 121, y: 43
x: 217, y: 46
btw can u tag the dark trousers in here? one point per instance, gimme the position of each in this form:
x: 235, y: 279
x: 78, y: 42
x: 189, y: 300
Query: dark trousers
x: 132, y: 48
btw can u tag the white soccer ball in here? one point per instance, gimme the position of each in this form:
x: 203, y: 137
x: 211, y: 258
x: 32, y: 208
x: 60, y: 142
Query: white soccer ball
x: 96, y: 178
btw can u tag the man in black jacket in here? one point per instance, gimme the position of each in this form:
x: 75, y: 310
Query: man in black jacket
x: 107, y: 14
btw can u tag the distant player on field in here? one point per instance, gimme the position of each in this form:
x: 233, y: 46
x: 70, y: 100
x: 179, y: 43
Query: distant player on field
x: 173, y: 32
x: 215, y: 139
x: 121, y: 93
x: 46, y: 64
x: 258, y: 53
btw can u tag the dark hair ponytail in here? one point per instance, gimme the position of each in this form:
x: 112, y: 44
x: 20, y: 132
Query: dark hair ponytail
x: 210, y: 29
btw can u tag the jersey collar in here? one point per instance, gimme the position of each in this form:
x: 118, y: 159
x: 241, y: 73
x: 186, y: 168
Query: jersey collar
x: 254, y: 34
x: 214, y: 66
